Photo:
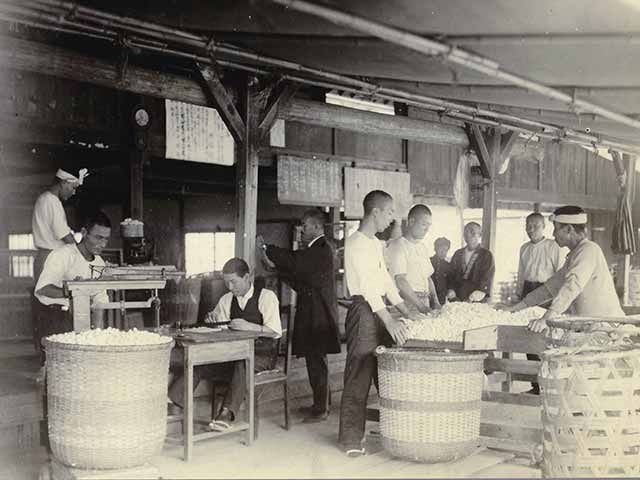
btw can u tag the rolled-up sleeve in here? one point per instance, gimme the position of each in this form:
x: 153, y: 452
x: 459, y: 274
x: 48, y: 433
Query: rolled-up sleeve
x: 270, y: 309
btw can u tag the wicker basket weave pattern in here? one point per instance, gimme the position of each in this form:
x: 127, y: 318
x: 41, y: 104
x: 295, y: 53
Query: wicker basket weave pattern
x: 430, y: 403
x: 107, y: 404
x: 591, y: 413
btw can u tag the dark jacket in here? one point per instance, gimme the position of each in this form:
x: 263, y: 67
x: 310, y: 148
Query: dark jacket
x: 480, y: 276
x: 441, y: 277
x: 310, y: 272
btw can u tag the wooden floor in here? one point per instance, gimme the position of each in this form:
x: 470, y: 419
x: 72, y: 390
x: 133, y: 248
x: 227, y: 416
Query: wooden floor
x: 305, y: 451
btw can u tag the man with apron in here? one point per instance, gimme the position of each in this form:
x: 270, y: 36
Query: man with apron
x: 247, y: 306
x: 409, y: 264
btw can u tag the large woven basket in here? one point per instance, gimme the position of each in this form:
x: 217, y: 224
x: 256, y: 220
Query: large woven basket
x: 429, y: 403
x: 591, y: 412
x: 107, y: 405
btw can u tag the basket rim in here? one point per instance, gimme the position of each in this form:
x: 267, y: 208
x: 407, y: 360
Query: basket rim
x: 433, y: 355
x: 616, y: 351
x: 108, y: 348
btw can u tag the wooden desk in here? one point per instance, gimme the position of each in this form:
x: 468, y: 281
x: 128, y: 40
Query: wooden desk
x: 217, y: 347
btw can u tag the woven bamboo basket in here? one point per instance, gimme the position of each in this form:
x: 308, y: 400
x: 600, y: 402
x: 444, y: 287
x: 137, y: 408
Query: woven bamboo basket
x: 429, y: 403
x: 181, y: 300
x: 591, y: 412
x: 107, y: 405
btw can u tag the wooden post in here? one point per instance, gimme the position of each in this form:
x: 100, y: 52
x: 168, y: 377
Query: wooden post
x: 247, y: 175
x: 629, y: 164
x: 136, y: 175
x: 490, y: 200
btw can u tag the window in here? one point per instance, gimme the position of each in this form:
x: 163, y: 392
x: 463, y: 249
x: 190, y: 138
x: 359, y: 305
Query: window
x: 208, y: 251
x: 21, y: 264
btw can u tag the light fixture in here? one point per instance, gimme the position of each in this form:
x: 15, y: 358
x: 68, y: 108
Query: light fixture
x: 360, y: 102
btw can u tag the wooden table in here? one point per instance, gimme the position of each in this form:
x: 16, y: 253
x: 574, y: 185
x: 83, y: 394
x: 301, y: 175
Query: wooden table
x: 216, y: 347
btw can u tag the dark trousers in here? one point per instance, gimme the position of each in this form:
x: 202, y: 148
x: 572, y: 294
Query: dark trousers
x: 365, y: 331
x: 232, y: 372
x: 318, y: 370
x: 49, y: 320
x: 38, y: 265
x: 527, y: 288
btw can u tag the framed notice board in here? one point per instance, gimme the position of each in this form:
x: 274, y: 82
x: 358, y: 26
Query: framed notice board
x: 307, y: 181
x: 359, y: 181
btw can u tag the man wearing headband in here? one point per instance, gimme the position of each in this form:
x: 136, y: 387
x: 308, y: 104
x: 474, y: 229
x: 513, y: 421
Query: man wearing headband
x: 583, y: 286
x: 50, y: 229
x: 49, y: 222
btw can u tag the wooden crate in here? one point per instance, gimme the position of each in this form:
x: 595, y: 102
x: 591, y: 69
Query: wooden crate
x: 510, y: 420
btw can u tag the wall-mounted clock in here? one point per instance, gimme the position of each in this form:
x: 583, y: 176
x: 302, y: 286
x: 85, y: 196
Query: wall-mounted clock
x: 141, y: 117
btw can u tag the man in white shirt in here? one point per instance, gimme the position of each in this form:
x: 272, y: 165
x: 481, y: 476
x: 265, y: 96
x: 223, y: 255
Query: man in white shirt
x: 49, y: 221
x: 540, y: 258
x: 368, y: 323
x: 70, y: 262
x: 247, y: 306
x: 409, y: 264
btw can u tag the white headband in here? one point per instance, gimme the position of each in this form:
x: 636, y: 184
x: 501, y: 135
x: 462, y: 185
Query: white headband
x: 572, y: 219
x: 67, y: 177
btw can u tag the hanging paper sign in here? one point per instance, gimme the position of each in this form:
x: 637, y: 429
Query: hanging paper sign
x: 197, y: 134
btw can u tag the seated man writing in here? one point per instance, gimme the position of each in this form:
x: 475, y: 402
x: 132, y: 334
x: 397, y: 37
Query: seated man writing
x: 70, y: 262
x: 247, y: 306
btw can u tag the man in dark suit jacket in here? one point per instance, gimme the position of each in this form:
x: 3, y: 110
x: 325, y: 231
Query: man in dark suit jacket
x: 472, y: 269
x: 311, y: 273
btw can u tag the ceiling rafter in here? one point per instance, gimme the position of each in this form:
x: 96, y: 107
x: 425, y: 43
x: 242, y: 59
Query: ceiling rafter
x: 150, y: 37
x: 452, y: 54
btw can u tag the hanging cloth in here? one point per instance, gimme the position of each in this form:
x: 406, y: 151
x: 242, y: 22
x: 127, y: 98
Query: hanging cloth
x: 623, y: 237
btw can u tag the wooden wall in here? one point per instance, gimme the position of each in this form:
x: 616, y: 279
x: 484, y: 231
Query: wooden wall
x: 48, y: 122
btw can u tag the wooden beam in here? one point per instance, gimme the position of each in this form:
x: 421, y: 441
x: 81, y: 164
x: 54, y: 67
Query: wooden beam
x: 280, y: 97
x: 267, y: 155
x: 478, y: 144
x: 247, y: 176
x: 223, y: 102
x: 56, y: 61
x: 343, y: 118
x: 548, y: 198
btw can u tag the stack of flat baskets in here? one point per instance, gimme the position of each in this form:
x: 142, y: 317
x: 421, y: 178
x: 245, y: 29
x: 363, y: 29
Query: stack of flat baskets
x: 591, y: 411
x: 429, y: 403
x: 107, y: 404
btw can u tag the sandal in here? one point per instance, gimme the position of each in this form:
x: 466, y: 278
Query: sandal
x: 223, y: 421
x: 218, y: 426
x: 355, y: 452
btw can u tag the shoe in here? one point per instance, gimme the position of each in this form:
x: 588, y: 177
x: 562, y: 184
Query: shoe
x: 316, y: 417
x: 223, y: 421
x: 355, y: 452
x: 308, y: 410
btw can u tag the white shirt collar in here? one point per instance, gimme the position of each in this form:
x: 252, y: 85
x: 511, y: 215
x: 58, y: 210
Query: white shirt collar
x: 247, y: 295
x: 314, y: 240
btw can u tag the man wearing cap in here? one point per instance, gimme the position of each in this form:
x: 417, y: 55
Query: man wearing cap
x: 49, y: 222
x: 583, y: 285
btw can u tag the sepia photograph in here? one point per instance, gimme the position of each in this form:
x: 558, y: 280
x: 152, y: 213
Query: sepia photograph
x: 319, y: 239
